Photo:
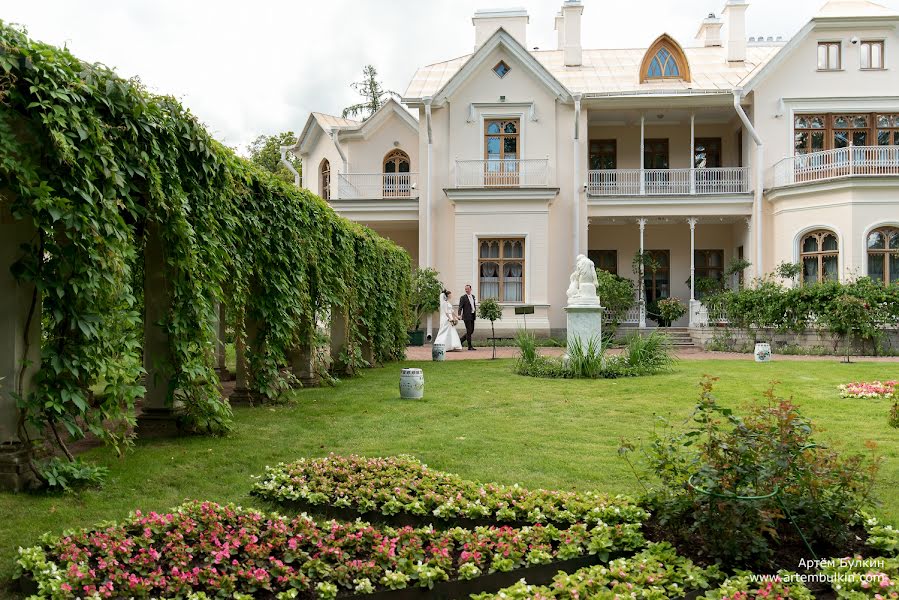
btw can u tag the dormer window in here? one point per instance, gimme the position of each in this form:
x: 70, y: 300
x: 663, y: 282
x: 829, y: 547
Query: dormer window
x: 665, y: 59
x: 501, y: 69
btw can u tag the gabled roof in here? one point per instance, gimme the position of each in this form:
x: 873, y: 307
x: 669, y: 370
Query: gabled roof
x: 317, y: 124
x: 841, y: 9
x: 616, y: 71
x: 833, y: 10
x: 449, y: 79
x: 387, y: 110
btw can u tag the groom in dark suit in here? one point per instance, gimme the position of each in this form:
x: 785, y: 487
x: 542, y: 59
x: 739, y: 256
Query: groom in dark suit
x: 468, y: 312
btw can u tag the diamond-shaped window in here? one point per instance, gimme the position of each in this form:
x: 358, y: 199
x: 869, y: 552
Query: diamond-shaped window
x: 501, y: 68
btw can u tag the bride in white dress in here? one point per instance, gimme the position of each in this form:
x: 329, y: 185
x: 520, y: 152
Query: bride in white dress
x: 447, y: 335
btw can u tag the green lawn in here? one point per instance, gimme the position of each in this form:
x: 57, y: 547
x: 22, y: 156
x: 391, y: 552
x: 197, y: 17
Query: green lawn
x: 477, y: 419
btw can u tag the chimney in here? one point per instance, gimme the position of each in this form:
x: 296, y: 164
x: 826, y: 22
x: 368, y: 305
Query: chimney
x: 571, y: 25
x: 735, y: 24
x: 709, y: 33
x: 560, y: 31
x: 513, y: 20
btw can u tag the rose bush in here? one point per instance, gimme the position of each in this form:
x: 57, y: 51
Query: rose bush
x: 228, y: 551
x: 403, y: 484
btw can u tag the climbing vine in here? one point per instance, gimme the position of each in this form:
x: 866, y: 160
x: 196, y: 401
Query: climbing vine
x: 96, y: 164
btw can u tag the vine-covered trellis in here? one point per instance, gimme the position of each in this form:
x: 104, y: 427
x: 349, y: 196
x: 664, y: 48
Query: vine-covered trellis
x: 95, y: 165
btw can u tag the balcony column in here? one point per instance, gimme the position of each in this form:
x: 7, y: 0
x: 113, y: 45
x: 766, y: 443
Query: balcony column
x: 642, y: 282
x: 694, y: 305
x: 692, y: 153
x: 642, y: 163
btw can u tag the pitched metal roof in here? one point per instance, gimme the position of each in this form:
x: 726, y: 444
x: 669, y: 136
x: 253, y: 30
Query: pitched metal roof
x: 839, y: 9
x: 616, y: 71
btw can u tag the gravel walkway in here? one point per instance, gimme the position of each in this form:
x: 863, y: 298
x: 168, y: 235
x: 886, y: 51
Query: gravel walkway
x: 424, y: 353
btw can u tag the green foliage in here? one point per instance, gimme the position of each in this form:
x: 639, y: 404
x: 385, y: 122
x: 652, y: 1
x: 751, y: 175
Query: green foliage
x: 424, y: 296
x: 585, y: 361
x: 894, y: 415
x: 372, y: 91
x: 490, y: 310
x: 616, y: 294
x: 787, y: 270
x: 265, y: 152
x: 670, y: 310
x: 732, y: 486
x: 66, y: 476
x: 648, y: 354
x: 862, y: 307
x: 99, y: 165
x: 527, y: 346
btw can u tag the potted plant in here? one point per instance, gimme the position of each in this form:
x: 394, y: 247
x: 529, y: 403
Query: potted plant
x: 424, y: 299
x: 491, y: 310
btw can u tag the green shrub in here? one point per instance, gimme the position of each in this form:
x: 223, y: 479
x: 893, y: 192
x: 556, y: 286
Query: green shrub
x: 646, y: 355
x: 616, y: 294
x: 585, y: 361
x: 671, y: 309
x: 728, y: 486
x: 527, y: 346
x: 65, y: 476
x: 424, y: 296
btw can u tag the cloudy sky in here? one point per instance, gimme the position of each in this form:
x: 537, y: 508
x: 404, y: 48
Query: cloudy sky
x: 249, y: 67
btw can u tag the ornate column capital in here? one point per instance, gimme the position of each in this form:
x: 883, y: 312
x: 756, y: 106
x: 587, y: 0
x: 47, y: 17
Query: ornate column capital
x: 692, y: 222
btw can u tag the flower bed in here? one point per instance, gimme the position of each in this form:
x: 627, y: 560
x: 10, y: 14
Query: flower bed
x: 205, y: 547
x: 783, y: 586
x: 868, y: 389
x: 855, y: 578
x: 403, y: 489
x: 657, y: 572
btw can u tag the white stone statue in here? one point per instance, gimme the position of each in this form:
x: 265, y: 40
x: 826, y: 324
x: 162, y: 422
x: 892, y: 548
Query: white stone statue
x: 582, y: 290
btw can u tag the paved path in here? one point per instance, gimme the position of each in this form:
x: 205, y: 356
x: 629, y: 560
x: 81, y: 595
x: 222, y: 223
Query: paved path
x: 424, y: 353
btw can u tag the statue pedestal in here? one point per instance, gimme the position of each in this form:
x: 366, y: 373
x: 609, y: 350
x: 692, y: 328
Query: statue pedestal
x: 584, y: 324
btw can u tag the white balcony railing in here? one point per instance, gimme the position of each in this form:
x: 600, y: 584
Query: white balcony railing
x: 358, y: 186
x: 500, y: 173
x: 840, y: 162
x: 682, y: 182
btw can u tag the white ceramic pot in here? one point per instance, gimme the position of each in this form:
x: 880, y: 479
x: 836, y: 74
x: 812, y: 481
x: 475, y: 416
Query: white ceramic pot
x: 412, y: 384
x: 762, y: 352
x: 438, y: 352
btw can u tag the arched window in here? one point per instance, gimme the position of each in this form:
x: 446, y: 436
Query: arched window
x: 325, y: 180
x: 883, y: 255
x: 819, y: 253
x: 396, y: 175
x: 665, y: 59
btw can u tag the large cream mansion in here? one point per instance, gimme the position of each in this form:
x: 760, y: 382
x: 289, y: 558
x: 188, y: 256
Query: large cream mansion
x: 519, y: 160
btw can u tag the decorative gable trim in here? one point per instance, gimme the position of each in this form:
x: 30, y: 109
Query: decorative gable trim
x: 390, y: 109
x: 502, y: 39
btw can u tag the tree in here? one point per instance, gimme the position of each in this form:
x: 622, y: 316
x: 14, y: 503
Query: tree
x: 372, y: 92
x: 424, y: 298
x: 616, y: 295
x: 265, y: 152
x: 491, y: 310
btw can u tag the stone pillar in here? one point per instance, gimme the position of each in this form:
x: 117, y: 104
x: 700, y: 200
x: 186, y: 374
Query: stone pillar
x: 242, y: 394
x: 302, y: 358
x: 220, y: 327
x: 20, y: 340
x: 339, y: 332
x: 157, y: 418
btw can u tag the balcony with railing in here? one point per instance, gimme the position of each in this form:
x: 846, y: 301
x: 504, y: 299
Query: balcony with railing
x: 502, y: 173
x: 826, y: 165
x: 376, y: 186
x: 668, y: 182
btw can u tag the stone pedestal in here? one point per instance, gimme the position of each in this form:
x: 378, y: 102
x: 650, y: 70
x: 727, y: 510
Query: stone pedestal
x: 242, y: 394
x: 302, y: 363
x: 157, y: 417
x: 339, y: 331
x: 220, y: 324
x: 20, y: 349
x: 584, y: 324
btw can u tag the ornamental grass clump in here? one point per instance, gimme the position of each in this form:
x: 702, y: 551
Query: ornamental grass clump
x: 740, y: 489
x: 404, y: 486
x: 228, y: 551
